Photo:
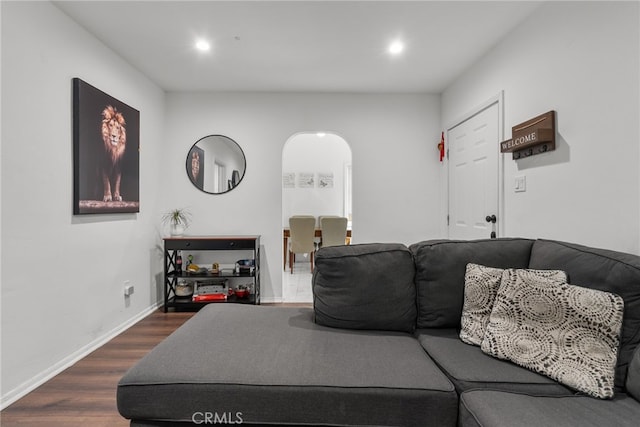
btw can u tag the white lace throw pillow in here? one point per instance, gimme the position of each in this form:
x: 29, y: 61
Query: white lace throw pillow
x: 568, y: 333
x: 480, y: 288
x: 481, y: 285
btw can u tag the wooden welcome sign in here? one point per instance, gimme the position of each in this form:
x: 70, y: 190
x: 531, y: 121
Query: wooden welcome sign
x: 534, y: 136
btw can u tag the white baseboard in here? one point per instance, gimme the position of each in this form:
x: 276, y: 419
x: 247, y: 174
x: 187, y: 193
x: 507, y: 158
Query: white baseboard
x: 44, y: 376
x: 271, y: 300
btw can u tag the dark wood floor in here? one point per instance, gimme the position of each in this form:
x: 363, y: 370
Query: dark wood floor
x: 85, y: 394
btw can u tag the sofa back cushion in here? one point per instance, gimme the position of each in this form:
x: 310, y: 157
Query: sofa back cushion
x: 633, y: 375
x: 367, y: 286
x: 440, y: 272
x: 604, y: 270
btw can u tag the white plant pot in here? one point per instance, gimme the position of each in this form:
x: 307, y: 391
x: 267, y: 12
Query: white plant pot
x: 177, y: 229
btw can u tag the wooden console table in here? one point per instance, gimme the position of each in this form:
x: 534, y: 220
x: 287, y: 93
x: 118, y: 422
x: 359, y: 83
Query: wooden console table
x: 172, y: 246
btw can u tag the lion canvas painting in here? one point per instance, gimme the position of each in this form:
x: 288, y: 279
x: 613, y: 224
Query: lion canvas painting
x: 106, y: 152
x: 114, y: 139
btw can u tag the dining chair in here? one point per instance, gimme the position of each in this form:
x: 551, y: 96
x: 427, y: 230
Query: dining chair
x: 319, y: 226
x: 334, y: 231
x: 303, y: 230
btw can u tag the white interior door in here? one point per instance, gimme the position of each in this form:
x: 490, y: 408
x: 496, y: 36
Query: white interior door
x: 473, y: 175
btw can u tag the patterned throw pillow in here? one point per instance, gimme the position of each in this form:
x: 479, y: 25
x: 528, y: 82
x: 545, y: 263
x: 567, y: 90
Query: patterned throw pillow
x: 480, y: 288
x: 481, y: 285
x: 568, y: 333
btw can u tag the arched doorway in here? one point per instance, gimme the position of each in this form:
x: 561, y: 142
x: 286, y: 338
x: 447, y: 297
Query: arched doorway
x: 316, y: 180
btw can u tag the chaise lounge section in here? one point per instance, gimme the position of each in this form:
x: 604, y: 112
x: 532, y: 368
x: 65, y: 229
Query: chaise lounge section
x: 382, y: 347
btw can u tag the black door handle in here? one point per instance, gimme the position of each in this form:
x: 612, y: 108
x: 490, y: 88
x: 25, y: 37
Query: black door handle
x: 491, y: 218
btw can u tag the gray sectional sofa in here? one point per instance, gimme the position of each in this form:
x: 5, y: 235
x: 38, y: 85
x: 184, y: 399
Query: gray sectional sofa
x: 381, y: 347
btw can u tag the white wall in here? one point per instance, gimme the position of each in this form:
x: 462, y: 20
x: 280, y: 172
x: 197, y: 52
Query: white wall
x: 390, y: 136
x: 309, y: 153
x: 62, y: 276
x: 580, y: 59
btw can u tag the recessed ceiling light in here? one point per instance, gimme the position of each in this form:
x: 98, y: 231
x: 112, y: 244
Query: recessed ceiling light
x: 396, y: 47
x: 202, y: 45
x: 321, y: 134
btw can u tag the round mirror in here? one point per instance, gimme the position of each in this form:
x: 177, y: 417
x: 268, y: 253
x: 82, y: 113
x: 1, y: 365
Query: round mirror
x: 216, y: 164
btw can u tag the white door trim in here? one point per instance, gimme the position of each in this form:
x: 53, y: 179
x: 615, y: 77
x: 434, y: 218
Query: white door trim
x: 499, y: 99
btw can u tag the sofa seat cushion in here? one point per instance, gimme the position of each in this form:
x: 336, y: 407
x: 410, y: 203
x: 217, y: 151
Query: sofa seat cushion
x: 367, y: 286
x: 441, y: 267
x: 502, y: 409
x: 469, y: 368
x: 604, y: 270
x: 274, y: 365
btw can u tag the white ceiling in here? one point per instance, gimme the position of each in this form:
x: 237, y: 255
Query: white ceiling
x: 304, y: 46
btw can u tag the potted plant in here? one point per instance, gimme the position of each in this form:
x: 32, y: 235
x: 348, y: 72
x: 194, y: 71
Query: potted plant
x: 178, y: 220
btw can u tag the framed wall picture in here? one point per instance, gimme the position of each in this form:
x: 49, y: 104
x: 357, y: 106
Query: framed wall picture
x: 325, y: 180
x: 195, y: 166
x: 288, y: 180
x: 106, y: 155
x: 306, y: 180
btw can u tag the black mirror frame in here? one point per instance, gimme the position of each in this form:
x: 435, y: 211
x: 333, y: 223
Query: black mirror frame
x: 236, y: 177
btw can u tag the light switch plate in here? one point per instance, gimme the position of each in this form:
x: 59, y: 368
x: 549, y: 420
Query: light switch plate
x: 520, y: 184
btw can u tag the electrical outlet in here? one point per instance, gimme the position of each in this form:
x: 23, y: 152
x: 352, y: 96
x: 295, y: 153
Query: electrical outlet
x: 128, y: 288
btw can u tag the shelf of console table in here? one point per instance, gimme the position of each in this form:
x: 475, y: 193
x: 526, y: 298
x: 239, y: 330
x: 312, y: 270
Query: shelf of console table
x: 172, y: 246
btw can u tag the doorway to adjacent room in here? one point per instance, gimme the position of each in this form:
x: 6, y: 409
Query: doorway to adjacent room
x: 316, y: 181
